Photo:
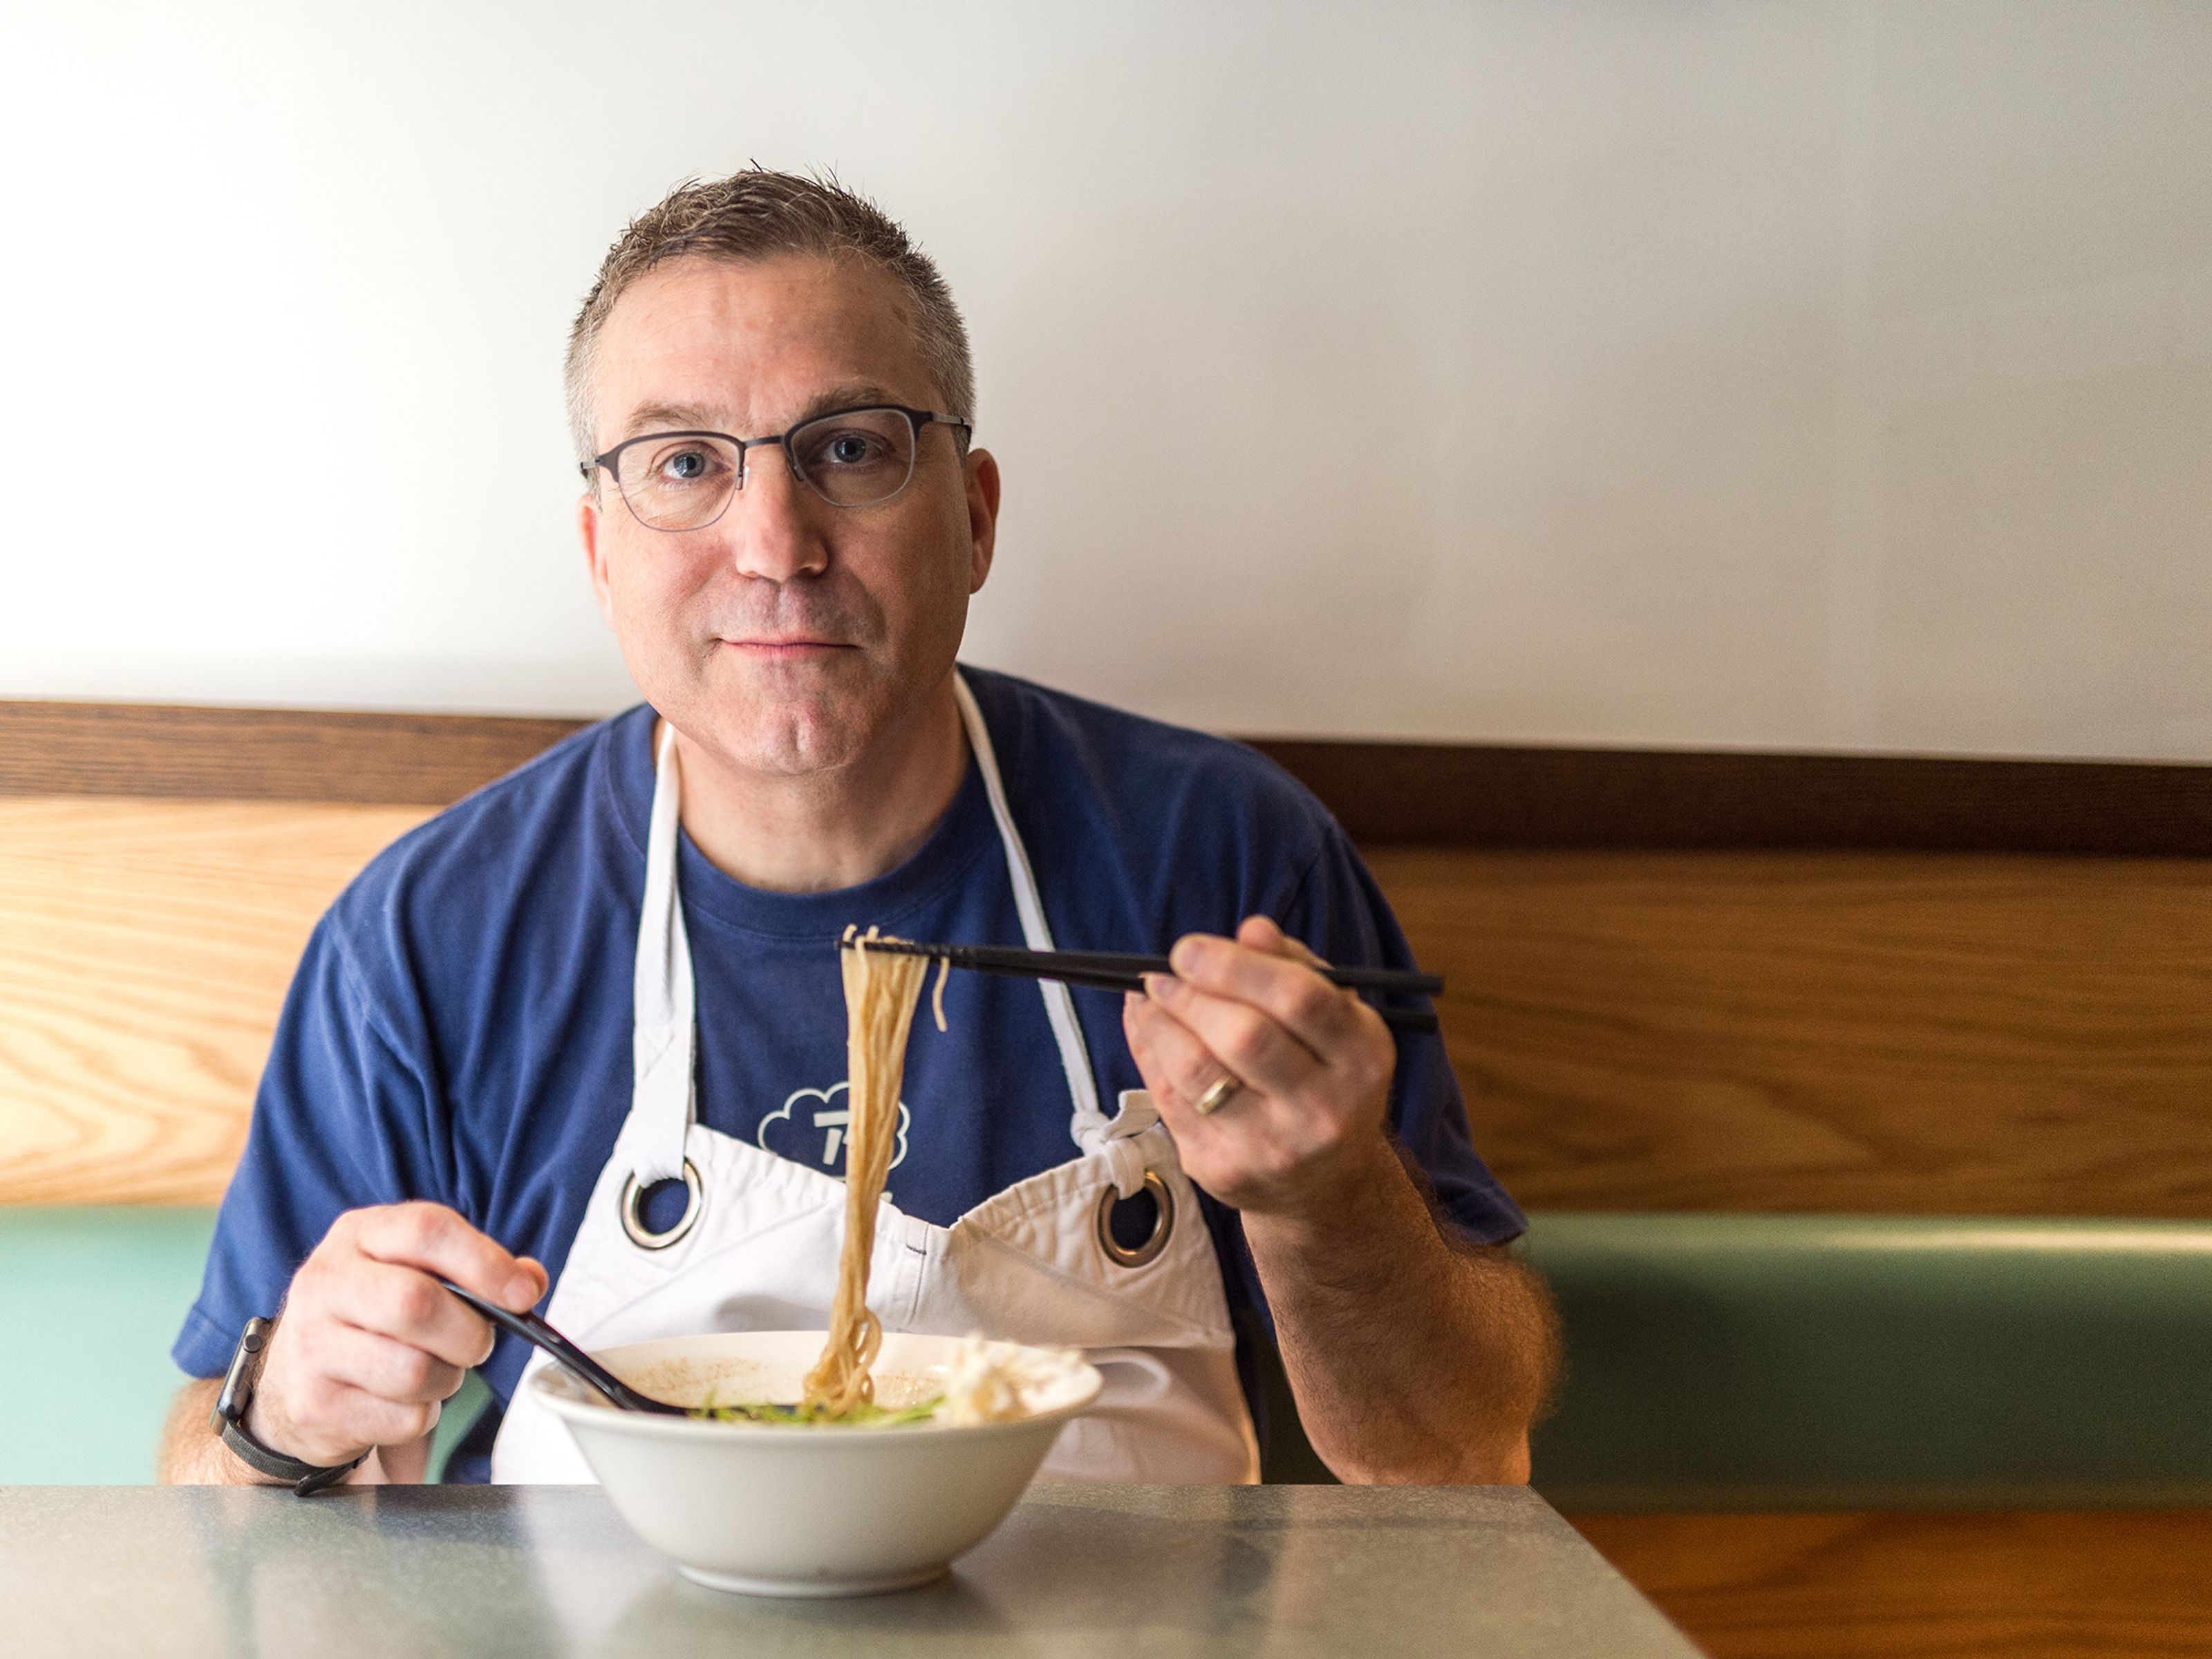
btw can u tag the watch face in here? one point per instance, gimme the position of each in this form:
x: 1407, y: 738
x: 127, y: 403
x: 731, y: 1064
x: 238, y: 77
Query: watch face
x: 244, y: 1363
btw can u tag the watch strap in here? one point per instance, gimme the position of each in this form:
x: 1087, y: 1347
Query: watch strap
x: 228, y: 1420
x: 306, y: 1478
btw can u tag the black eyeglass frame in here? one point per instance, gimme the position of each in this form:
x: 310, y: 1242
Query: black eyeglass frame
x: 918, y: 418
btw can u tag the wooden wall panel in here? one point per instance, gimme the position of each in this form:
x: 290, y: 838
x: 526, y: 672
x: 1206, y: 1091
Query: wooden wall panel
x: 190, y: 753
x: 1901, y: 1032
x: 145, y: 950
x: 1442, y: 794
x: 1911, y: 1033
x: 2043, y: 1585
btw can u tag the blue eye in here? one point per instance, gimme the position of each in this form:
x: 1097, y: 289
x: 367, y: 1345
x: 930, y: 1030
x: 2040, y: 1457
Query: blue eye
x: 856, y: 456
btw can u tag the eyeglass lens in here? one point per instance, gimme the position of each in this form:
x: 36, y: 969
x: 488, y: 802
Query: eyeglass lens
x: 853, y: 458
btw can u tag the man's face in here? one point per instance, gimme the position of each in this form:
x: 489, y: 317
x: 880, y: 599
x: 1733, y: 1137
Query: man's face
x: 789, y: 634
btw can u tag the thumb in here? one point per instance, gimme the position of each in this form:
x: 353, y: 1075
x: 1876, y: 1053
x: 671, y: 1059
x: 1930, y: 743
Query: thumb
x: 536, y: 1269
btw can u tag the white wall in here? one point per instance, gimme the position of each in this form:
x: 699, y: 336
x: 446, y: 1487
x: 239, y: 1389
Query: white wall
x: 1734, y: 373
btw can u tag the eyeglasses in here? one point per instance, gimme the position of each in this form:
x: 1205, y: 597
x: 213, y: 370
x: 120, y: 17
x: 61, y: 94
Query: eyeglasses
x: 849, y: 458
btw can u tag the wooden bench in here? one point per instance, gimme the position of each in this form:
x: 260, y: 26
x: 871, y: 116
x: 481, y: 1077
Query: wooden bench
x: 1708, y: 984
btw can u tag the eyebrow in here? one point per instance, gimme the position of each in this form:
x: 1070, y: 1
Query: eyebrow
x: 648, y: 417
x: 698, y: 418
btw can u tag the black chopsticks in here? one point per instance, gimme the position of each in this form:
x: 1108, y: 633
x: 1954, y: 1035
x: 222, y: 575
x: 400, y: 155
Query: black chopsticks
x: 532, y: 1329
x: 1108, y: 970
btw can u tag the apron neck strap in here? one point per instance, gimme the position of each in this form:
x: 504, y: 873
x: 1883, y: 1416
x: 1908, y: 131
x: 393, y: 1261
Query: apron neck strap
x: 662, y: 994
x: 664, y: 1037
x: 1087, y: 1124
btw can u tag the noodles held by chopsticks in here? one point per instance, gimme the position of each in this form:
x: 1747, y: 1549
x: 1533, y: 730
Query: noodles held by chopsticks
x: 881, y: 990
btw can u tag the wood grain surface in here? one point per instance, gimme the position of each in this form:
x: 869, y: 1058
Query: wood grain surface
x: 1498, y: 795
x: 175, y: 752
x: 1384, y: 793
x: 1914, y: 1033
x: 1908, y: 1033
x: 2040, y: 1585
x: 145, y: 950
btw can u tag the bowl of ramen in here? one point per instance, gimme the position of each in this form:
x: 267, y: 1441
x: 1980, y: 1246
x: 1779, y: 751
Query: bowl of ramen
x: 834, y: 1463
x: 756, y: 1492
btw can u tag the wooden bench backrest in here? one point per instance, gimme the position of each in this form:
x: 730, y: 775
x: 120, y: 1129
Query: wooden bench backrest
x: 1693, y: 981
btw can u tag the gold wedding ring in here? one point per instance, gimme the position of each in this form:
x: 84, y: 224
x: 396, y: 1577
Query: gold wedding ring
x: 1213, y: 1100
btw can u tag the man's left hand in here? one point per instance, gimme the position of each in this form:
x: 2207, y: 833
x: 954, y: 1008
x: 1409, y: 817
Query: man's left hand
x: 1314, y: 1064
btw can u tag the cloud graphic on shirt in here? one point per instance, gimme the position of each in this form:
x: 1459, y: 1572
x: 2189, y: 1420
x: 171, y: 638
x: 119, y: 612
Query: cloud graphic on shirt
x: 810, y: 1128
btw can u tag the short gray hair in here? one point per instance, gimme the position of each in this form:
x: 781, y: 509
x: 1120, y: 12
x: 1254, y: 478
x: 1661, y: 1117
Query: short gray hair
x: 759, y: 215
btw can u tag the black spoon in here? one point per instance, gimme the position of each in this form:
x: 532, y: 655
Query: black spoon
x: 533, y: 1330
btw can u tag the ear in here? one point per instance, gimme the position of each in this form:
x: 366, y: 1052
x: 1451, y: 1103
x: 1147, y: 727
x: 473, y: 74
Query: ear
x: 589, y: 526
x: 982, y: 515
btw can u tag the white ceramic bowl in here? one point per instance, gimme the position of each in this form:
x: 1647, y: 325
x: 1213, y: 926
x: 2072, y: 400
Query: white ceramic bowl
x: 781, y: 1509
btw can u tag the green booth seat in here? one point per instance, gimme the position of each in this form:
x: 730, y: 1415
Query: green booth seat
x: 1745, y: 1362
x: 90, y: 1299
x: 1714, y: 1361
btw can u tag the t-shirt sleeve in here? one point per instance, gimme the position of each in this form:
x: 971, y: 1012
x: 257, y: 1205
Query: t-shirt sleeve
x: 339, y: 1122
x: 1340, y: 912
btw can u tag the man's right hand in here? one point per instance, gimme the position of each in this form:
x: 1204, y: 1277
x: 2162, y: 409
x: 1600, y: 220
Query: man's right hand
x: 369, y: 1344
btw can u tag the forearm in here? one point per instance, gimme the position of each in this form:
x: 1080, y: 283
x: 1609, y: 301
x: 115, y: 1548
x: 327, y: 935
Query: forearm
x: 1411, y: 1359
x: 193, y: 1455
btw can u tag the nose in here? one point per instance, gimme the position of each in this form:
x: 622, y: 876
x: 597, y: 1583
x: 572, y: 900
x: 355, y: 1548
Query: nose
x: 772, y: 526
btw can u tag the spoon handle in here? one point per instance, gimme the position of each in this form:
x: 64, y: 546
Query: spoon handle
x: 532, y: 1329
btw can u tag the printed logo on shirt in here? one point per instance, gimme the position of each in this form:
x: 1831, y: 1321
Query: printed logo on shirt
x: 810, y: 1128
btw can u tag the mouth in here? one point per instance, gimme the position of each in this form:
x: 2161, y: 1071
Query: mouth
x: 784, y: 650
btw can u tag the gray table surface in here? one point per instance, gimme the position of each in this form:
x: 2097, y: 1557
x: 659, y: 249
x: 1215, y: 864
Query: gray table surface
x: 1120, y: 1571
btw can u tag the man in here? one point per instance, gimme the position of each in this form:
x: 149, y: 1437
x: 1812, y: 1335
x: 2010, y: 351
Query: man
x: 583, y: 1033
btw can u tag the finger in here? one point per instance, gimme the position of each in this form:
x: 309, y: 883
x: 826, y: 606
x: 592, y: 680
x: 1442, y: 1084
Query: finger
x: 359, y: 1419
x: 383, y: 1367
x: 1262, y: 932
x: 1245, y: 1037
x: 407, y: 1305
x: 1289, y: 992
x: 1177, y: 1067
x: 434, y: 1238
x: 1242, y: 1039
x: 322, y: 1418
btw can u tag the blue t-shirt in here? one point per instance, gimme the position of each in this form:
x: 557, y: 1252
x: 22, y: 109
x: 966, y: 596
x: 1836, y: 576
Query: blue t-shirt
x: 459, y: 1028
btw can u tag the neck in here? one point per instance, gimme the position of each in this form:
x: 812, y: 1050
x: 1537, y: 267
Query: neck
x: 818, y: 831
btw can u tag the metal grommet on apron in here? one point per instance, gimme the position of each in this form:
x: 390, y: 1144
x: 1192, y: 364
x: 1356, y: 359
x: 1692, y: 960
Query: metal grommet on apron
x: 633, y: 1210
x: 1163, y: 1222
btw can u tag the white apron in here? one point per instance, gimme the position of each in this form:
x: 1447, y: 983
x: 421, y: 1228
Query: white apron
x: 757, y: 1246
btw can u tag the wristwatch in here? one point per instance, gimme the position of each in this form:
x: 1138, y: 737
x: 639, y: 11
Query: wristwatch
x: 228, y: 1418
